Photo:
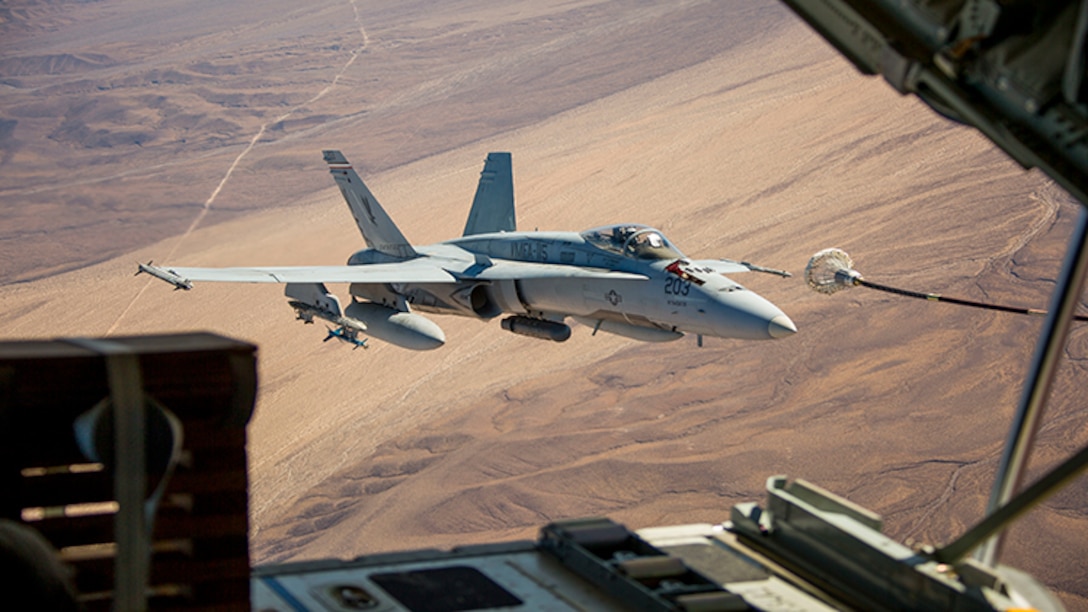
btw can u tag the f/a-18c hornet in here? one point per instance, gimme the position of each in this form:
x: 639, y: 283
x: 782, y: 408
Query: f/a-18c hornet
x: 625, y: 279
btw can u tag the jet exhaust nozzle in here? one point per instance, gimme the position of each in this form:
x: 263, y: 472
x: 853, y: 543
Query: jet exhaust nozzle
x: 537, y: 328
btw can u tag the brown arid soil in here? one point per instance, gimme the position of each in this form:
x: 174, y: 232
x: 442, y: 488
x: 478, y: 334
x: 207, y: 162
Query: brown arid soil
x: 726, y: 124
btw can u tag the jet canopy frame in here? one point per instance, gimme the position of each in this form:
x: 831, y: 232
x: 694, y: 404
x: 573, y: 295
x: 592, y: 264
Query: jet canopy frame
x: 632, y: 240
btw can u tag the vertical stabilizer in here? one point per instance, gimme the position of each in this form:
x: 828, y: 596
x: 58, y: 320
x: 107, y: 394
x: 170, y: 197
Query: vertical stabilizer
x: 379, y: 231
x: 493, y: 206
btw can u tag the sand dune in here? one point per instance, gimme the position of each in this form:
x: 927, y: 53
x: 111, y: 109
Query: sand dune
x: 765, y: 146
x: 149, y: 103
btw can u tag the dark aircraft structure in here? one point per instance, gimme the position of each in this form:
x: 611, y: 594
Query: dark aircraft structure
x: 1017, y: 71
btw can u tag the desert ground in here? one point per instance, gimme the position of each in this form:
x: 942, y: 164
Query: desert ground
x: 191, y: 133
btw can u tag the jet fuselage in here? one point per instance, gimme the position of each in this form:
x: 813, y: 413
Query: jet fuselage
x: 658, y: 304
x: 624, y: 279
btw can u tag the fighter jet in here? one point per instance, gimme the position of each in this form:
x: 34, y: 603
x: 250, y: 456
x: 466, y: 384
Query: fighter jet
x: 624, y: 279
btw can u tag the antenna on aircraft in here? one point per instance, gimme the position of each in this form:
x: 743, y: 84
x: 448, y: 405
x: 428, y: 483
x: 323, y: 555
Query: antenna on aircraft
x: 832, y: 270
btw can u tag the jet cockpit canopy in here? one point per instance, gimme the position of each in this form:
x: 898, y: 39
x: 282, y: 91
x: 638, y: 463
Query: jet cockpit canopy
x: 632, y: 240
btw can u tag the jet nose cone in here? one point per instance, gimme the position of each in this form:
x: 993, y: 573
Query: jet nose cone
x: 744, y: 315
x: 781, y: 326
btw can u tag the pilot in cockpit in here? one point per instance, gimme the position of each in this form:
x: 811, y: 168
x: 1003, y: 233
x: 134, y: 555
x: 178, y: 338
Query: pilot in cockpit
x: 648, y: 244
x: 633, y: 240
x: 621, y: 235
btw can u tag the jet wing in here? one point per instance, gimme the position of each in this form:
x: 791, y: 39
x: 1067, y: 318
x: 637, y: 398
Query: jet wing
x: 412, y: 271
x: 505, y: 269
x: 728, y: 266
x: 719, y: 266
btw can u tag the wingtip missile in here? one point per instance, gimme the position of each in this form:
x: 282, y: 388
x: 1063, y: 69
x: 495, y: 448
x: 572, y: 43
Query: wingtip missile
x: 165, y: 275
